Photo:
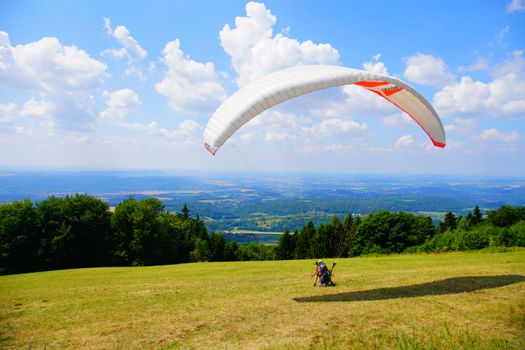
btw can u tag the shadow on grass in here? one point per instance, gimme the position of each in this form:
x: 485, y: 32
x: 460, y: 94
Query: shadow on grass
x: 447, y: 286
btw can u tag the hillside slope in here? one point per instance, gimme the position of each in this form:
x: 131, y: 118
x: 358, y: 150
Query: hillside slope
x: 456, y: 300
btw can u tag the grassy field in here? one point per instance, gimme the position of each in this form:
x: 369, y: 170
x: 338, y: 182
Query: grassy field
x: 448, y: 301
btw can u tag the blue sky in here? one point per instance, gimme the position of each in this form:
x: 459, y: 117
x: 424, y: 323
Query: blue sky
x: 131, y: 85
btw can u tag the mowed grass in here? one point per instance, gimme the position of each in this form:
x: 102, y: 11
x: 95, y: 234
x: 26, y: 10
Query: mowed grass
x: 448, y: 301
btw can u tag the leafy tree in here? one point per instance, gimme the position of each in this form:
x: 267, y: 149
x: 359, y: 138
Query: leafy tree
x: 231, y: 251
x: 402, y: 232
x: 477, y: 218
x: 468, y: 219
x: 449, y: 222
x: 141, y: 232
x: 201, y: 251
x: 463, y: 223
x: 286, y: 247
x: 336, y: 236
x: 350, y: 227
x: 384, y: 232
x: 217, y: 245
x: 122, y: 222
x: 517, y: 234
x: 506, y: 216
x: 89, y: 221
x: 318, y: 242
x: 475, y: 238
x: 302, y: 243
x: 75, y: 231
x: 198, y: 228
x: 442, y: 242
x: 50, y: 214
x: 253, y: 251
x: 346, y: 236
x: 19, y: 238
x: 310, y: 236
x: 185, y: 211
x: 174, y: 239
x: 373, y: 233
x: 80, y: 231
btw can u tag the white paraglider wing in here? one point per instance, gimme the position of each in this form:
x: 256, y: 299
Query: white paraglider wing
x: 289, y: 83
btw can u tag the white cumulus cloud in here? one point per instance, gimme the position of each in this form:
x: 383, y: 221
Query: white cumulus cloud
x: 466, y: 123
x: 47, y: 65
x: 375, y: 66
x: 275, y: 125
x: 279, y: 136
x: 189, y: 126
x: 248, y: 137
x: 464, y: 126
x: 37, y: 108
x: 185, y: 133
x: 398, y: 120
x: 191, y: 87
x: 63, y: 76
x: 255, y: 51
x: 427, y: 70
x: 499, y: 136
x: 503, y: 95
x: 339, y: 126
x: 404, y: 142
x: 358, y: 100
x: 119, y: 104
x: 7, y: 112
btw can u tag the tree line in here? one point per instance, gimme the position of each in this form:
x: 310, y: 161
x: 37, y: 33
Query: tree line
x: 384, y: 232
x: 81, y: 231
x: 504, y: 227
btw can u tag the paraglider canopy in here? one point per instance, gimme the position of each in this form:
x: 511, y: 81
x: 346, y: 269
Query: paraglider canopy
x: 280, y: 86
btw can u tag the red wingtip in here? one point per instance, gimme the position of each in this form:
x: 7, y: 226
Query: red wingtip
x: 438, y: 144
x: 212, y: 150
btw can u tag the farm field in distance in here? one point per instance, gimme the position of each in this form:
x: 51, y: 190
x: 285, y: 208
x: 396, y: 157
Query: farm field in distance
x: 443, y: 301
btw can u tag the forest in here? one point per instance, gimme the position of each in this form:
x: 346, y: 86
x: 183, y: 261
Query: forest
x: 81, y: 231
x: 385, y: 232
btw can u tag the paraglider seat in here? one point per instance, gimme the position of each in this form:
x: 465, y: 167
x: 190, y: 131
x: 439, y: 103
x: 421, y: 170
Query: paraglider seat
x: 326, y: 276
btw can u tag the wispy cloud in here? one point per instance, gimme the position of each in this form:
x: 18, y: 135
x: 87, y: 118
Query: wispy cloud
x: 516, y: 6
x: 130, y: 47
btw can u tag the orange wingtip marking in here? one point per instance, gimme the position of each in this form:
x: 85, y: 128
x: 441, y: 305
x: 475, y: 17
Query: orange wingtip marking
x: 371, y: 83
x: 389, y: 92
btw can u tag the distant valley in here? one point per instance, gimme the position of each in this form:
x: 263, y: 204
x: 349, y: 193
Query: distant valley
x: 245, y: 205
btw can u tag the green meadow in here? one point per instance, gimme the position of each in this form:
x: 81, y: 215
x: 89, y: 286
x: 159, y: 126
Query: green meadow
x: 470, y: 300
